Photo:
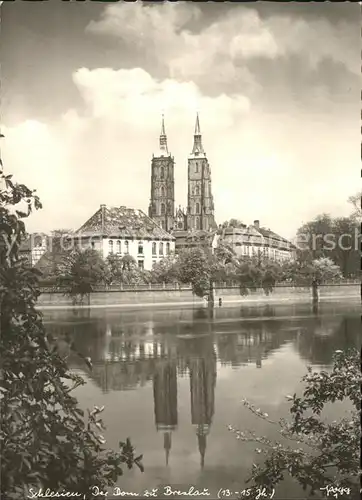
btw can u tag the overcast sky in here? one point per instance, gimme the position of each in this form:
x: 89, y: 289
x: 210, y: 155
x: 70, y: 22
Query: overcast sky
x: 277, y: 87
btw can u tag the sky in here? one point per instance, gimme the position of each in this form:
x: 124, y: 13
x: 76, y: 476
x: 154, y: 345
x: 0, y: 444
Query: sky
x: 276, y: 86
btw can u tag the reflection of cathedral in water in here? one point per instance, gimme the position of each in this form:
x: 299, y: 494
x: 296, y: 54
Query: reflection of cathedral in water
x: 127, y: 355
x: 165, y: 398
x: 202, y: 369
x: 201, y: 365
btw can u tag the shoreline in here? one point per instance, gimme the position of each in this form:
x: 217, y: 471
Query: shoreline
x: 240, y: 301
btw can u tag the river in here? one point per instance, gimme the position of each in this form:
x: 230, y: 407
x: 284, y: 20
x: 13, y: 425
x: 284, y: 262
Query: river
x: 172, y: 379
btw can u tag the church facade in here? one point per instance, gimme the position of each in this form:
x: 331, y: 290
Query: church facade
x: 199, y: 213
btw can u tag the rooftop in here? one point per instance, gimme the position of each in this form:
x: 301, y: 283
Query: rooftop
x: 123, y: 222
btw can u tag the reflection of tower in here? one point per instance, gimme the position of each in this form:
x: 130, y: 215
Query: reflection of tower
x: 202, y: 387
x: 258, y: 358
x: 165, y: 400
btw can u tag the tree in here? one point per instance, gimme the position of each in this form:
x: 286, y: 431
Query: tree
x: 252, y: 272
x: 128, y: 262
x: 115, y: 269
x: 195, y: 267
x: 312, y: 273
x: 202, y: 267
x: 50, y: 262
x: 324, y: 454
x: 336, y: 238
x: 165, y: 271
x: 46, y: 442
x: 80, y: 272
x: 356, y: 201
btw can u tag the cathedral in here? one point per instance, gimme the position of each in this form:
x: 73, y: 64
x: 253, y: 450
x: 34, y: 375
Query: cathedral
x: 199, y: 214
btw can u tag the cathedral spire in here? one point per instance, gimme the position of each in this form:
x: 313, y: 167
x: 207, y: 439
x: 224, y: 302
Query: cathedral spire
x: 198, y: 148
x: 163, y: 139
x: 197, y: 126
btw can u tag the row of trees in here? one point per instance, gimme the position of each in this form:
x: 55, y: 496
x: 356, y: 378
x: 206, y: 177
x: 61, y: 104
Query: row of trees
x: 80, y: 271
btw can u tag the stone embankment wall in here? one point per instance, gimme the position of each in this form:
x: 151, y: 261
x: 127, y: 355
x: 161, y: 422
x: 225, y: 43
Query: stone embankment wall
x: 118, y: 298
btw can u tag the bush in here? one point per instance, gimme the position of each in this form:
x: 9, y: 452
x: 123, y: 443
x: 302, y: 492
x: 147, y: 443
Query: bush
x: 45, y: 439
x: 324, y: 454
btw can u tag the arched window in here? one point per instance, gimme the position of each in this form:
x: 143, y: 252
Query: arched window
x: 161, y: 249
x: 118, y: 246
x: 110, y: 246
x: 197, y: 190
x: 162, y: 173
x: 126, y: 244
x: 196, y: 167
x: 162, y: 191
x: 167, y: 248
x: 197, y: 223
x: 154, y: 250
x: 197, y: 208
x: 163, y: 209
x: 140, y: 248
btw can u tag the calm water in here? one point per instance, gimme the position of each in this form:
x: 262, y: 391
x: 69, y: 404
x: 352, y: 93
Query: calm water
x: 173, y: 380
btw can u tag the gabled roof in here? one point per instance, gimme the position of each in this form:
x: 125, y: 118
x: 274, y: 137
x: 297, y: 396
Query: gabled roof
x: 123, y: 222
x: 252, y: 234
x: 267, y: 233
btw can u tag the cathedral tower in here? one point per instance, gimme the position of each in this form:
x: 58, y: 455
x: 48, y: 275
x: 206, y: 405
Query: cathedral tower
x: 200, y: 203
x: 162, y: 203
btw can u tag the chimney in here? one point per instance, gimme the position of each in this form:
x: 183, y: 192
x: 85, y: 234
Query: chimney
x: 103, y: 216
x: 257, y: 224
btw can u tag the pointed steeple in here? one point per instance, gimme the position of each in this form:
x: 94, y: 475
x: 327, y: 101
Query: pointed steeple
x: 198, y: 148
x: 163, y: 139
x: 167, y: 442
x: 202, y: 433
x: 197, y: 126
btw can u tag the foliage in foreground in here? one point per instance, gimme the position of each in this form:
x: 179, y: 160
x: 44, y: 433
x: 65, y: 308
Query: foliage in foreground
x: 45, y: 439
x: 323, y: 453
